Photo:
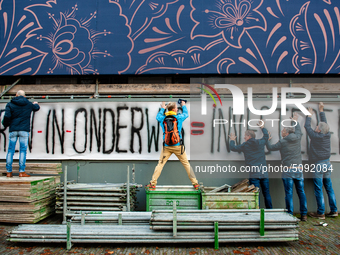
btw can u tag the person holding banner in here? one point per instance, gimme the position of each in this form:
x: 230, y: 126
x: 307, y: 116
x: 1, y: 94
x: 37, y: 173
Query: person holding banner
x: 290, y: 149
x: 18, y: 117
x: 171, y: 123
x: 255, y: 158
x: 319, y: 156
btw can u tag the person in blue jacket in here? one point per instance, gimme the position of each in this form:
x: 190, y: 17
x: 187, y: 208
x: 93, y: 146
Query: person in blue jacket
x: 319, y: 156
x: 253, y: 150
x: 17, y: 118
x: 177, y: 148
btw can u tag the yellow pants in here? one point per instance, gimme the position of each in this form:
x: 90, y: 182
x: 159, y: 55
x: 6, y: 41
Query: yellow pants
x: 167, y: 151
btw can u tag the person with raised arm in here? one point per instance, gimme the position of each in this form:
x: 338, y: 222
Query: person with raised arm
x: 319, y: 156
x: 253, y: 150
x: 290, y: 149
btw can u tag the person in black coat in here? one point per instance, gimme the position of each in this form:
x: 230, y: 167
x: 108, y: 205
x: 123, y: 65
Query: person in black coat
x: 17, y: 118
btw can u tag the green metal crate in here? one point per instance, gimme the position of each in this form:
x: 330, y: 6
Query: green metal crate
x: 186, y: 197
x: 230, y: 200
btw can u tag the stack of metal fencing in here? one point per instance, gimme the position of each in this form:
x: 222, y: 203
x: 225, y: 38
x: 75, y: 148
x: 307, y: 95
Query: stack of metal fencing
x: 135, y: 234
x: 103, y: 234
x: 113, y: 218
x: 233, y: 225
x: 95, y: 197
x: 171, y: 226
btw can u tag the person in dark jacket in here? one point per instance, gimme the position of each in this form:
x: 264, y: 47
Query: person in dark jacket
x: 290, y: 149
x: 18, y: 117
x: 319, y: 155
x: 255, y: 159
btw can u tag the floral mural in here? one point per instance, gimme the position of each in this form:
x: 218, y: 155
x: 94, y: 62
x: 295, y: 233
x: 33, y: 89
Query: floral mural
x: 169, y: 36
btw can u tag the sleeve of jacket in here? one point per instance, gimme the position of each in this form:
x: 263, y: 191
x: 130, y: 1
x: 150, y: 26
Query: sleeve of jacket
x: 323, y: 117
x: 309, y: 129
x: 265, y: 137
x: 273, y: 147
x: 160, y: 115
x: 298, y: 131
x: 8, y: 115
x: 184, y: 114
x: 35, y: 107
x: 234, y: 147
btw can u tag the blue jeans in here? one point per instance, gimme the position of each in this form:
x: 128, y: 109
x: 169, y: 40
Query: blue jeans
x: 322, y: 177
x: 288, y: 185
x: 264, y: 183
x: 23, y: 139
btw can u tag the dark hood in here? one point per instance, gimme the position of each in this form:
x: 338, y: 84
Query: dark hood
x: 20, y: 101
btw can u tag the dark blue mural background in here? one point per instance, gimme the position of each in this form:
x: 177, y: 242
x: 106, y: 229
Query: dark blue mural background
x: 169, y: 36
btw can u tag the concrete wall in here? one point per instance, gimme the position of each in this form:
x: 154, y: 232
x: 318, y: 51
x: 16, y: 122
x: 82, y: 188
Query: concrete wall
x: 174, y: 174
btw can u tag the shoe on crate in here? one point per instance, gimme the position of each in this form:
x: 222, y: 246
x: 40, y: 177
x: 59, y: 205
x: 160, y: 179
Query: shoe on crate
x: 9, y: 174
x: 150, y: 187
x: 23, y: 174
x: 196, y: 186
x: 332, y: 214
x: 317, y: 216
x: 303, y: 218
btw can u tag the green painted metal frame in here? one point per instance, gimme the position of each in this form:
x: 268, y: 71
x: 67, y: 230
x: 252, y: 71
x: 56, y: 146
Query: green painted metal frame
x: 262, y: 223
x: 216, y: 235
x: 209, y: 198
x: 68, y: 236
x: 194, y: 193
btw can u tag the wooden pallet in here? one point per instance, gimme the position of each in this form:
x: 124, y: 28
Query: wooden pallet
x: 35, y: 168
x: 27, y: 199
x: 22, y: 207
x: 32, y: 217
x: 27, y: 189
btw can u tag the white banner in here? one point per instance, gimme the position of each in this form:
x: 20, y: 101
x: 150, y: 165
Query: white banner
x: 130, y: 131
x: 94, y: 131
x: 210, y: 141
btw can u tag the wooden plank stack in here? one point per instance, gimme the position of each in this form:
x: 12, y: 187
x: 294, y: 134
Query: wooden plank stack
x: 35, y: 168
x: 243, y: 186
x: 27, y: 199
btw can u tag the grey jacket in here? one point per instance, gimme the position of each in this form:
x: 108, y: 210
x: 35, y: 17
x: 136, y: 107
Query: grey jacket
x: 290, y: 149
x: 320, y: 144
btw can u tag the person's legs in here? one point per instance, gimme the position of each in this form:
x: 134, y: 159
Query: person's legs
x: 13, y: 137
x: 265, y: 190
x: 327, y: 182
x: 23, y: 139
x: 264, y: 184
x: 165, y: 155
x: 299, y: 186
x: 288, y: 186
x: 319, y: 194
x: 184, y: 160
x: 254, y: 181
